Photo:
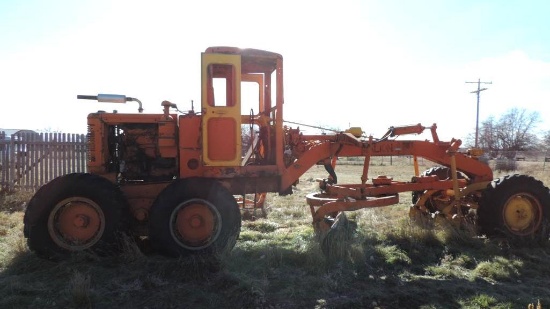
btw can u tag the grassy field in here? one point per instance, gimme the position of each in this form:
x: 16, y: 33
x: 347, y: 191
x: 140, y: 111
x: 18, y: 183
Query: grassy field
x: 386, y: 262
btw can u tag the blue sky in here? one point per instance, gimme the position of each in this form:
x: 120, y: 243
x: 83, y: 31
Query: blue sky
x: 464, y: 31
x: 365, y: 63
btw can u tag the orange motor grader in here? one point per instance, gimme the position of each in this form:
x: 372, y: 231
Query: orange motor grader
x: 173, y: 177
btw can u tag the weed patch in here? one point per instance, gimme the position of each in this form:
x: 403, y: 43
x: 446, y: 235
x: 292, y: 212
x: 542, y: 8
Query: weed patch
x: 380, y: 259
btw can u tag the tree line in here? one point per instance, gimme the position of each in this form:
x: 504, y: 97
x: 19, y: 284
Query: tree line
x: 515, y: 130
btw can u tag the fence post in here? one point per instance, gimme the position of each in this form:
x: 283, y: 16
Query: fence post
x: 4, y: 160
x: 11, y: 160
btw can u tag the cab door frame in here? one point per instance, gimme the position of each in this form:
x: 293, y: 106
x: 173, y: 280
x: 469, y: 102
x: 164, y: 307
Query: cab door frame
x: 221, y: 110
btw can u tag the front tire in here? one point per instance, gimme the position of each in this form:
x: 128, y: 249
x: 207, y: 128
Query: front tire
x: 73, y: 213
x: 517, y: 207
x: 194, y: 216
x: 443, y: 173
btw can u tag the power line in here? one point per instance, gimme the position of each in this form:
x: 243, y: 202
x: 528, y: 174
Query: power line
x: 479, y: 89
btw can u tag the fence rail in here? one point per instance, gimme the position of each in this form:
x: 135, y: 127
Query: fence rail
x: 29, y: 159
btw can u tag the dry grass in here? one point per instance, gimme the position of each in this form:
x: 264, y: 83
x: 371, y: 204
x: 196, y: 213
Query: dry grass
x: 382, y: 261
x: 79, y: 290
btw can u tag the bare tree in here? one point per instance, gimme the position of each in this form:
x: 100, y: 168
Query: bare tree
x: 488, y: 136
x: 512, y: 132
x: 515, y: 130
x: 545, y: 143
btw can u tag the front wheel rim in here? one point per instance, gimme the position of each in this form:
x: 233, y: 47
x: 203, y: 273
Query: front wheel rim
x: 76, y: 223
x: 522, y: 214
x: 195, y: 224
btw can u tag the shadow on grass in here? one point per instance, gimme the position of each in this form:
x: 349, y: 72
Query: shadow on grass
x: 128, y: 280
x: 451, y: 269
x: 394, y: 271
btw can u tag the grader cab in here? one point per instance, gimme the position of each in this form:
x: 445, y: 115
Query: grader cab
x: 179, y: 178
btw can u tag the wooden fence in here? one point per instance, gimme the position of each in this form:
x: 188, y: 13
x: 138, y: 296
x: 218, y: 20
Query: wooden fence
x: 29, y: 160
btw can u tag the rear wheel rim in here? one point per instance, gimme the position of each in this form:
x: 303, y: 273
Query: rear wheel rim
x: 522, y: 214
x: 76, y: 223
x: 195, y: 224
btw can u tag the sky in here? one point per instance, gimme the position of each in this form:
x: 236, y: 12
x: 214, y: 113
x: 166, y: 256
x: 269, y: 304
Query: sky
x: 367, y: 63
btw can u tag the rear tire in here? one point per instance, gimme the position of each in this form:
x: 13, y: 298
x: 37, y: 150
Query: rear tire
x: 73, y: 213
x: 517, y: 207
x: 195, y: 216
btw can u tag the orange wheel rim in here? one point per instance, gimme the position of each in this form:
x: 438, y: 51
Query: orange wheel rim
x: 195, y: 224
x: 522, y: 214
x: 76, y: 223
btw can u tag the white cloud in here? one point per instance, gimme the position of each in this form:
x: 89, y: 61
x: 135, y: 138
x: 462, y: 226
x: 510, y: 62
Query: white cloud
x: 518, y: 81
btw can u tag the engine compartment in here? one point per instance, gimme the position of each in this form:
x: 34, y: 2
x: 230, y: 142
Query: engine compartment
x: 135, y: 154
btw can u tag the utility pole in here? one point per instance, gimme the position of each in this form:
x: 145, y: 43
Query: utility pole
x: 479, y: 89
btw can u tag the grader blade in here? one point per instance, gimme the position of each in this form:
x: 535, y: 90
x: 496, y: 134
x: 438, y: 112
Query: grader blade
x: 335, y: 242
